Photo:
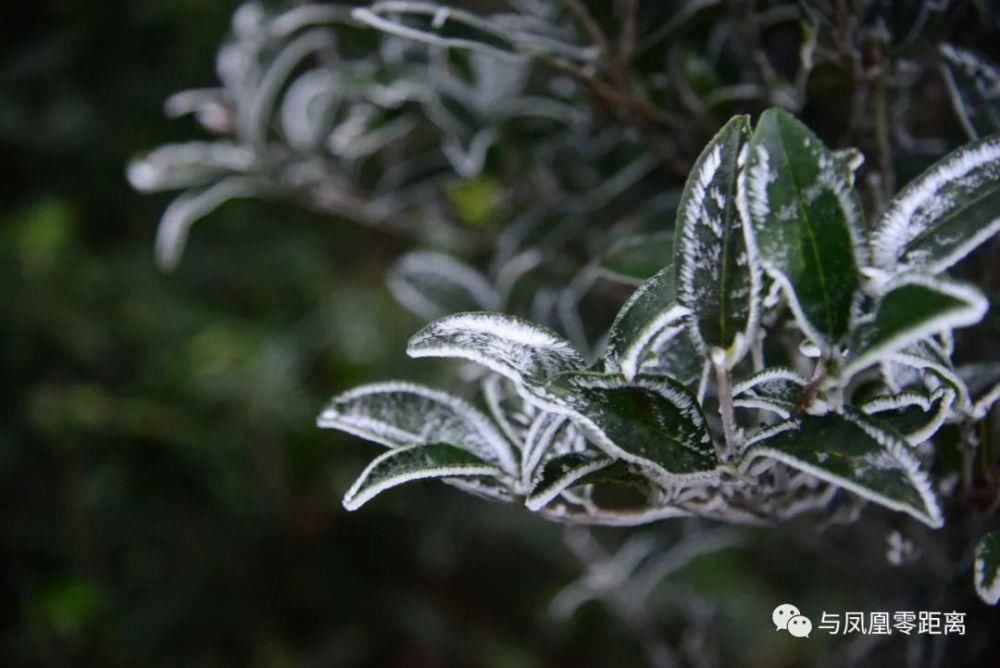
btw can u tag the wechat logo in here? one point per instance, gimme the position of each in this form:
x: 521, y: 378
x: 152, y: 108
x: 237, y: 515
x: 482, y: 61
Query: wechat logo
x: 786, y: 617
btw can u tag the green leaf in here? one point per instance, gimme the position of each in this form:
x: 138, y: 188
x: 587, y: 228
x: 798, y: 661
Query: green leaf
x: 395, y: 467
x: 987, y: 568
x: 717, y: 274
x: 560, y: 473
x: 807, y: 224
x: 943, y: 214
x: 927, y: 358
x: 522, y: 351
x: 974, y: 87
x: 915, y: 415
x: 432, y: 285
x: 852, y: 452
x: 549, y: 434
x: 776, y: 389
x: 654, y: 423
x: 634, y: 259
x: 673, y: 354
x: 507, y: 408
x: 913, y: 307
x: 647, y: 315
x: 400, y: 414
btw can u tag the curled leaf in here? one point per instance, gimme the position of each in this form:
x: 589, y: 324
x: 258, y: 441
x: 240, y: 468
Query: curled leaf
x: 417, y: 462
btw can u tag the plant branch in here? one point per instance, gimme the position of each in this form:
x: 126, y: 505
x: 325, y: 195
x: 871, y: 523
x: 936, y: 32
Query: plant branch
x: 724, y: 381
x: 590, y: 26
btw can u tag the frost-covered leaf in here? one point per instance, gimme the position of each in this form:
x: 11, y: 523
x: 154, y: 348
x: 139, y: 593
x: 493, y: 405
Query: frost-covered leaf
x: 943, y: 214
x: 983, y: 382
x: 717, y: 274
x: 432, y: 285
x: 448, y: 27
x: 634, y: 259
x: 974, y: 87
x: 522, y: 351
x: 365, y: 130
x: 189, y: 208
x: 400, y: 414
x: 560, y: 473
x: 538, y: 442
x: 913, y: 307
x: 776, y: 389
x: 485, y: 487
x: 925, y: 357
x: 508, y: 408
x: 309, y: 106
x: 915, y: 415
x: 649, y: 311
x: 654, y: 423
x: 987, y: 568
x: 852, y: 452
x: 807, y: 224
x: 397, y: 466
x: 189, y: 164
x: 672, y: 353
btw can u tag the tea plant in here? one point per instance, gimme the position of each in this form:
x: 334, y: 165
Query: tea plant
x: 780, y: 350
x: 784, y: 354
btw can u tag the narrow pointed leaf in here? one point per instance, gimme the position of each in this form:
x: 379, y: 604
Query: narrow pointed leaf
x: 403, y: 414
x: 654, y: 423
x: 636, y: 259
x: 987, y: 568
x: 914, y: 307
x: 717, y: 277
x: 806, y: 223
x: 943, y: 214
x: 649, y: 311
x: 522, y: 351
x: 852, y: 452
x: 560, y: 473
x: 432, y: 285
x: 416, y: 462
x: 974, y: 87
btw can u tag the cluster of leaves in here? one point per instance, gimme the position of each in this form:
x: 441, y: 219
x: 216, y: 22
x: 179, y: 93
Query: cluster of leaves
x: 776, y: 347
x: 823, y: 349
x: 443, y: 125
x: 974, y: 86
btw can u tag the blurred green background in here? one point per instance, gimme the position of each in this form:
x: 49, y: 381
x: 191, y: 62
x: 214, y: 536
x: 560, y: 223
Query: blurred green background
x: 166, y: 499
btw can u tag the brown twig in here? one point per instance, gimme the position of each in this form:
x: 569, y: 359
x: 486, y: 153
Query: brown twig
x: 590, y: 26
x: 626, y: 40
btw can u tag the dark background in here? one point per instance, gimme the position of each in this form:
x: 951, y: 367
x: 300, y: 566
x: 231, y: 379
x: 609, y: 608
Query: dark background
x: 164, y: 496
